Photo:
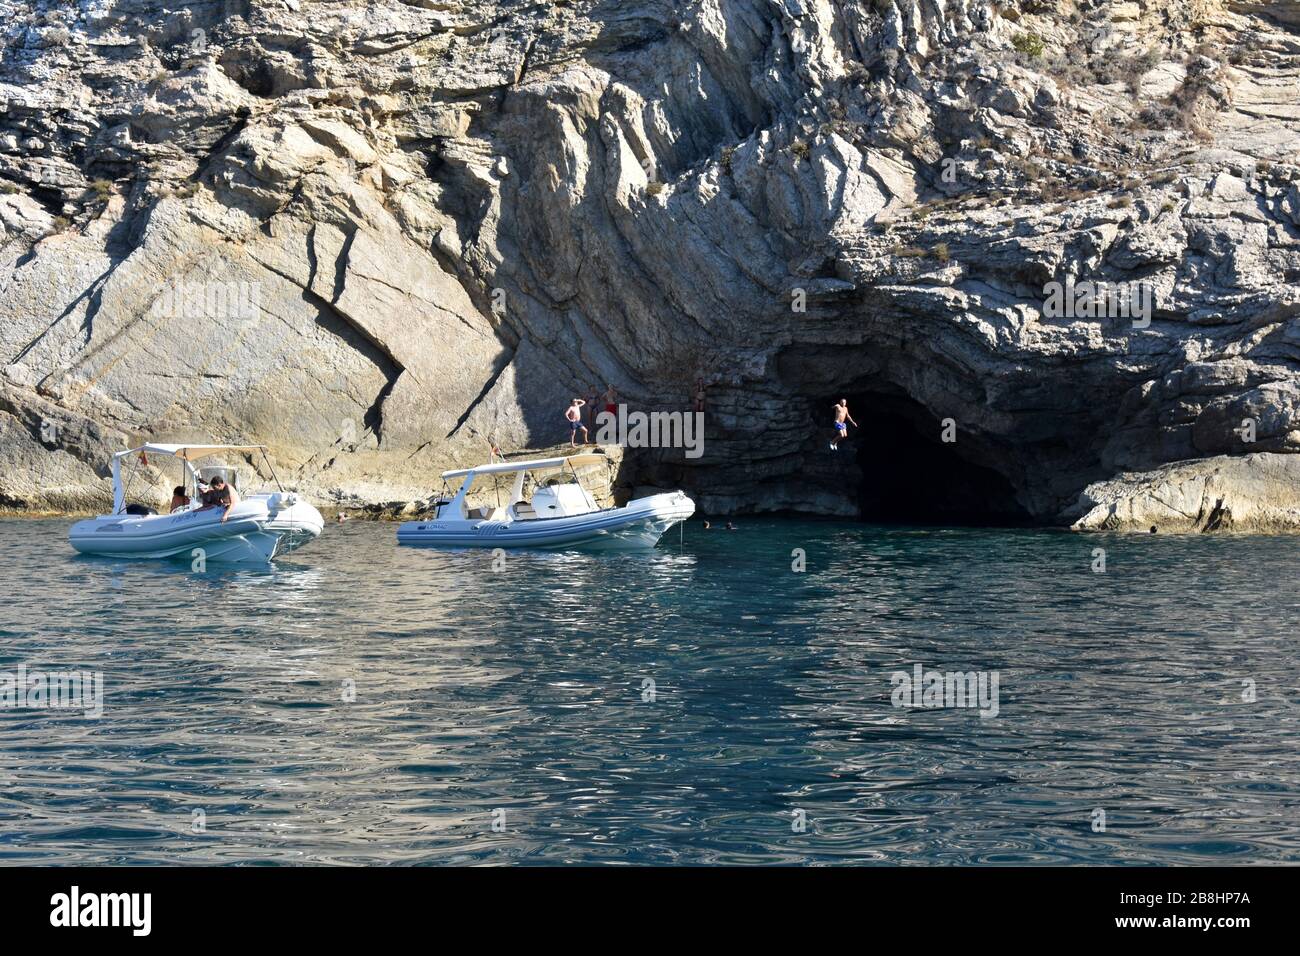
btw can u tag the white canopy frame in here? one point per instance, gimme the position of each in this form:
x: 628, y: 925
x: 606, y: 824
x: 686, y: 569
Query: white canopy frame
x: 521, y: 469
x: 186, y: 454
x: 535, y: 464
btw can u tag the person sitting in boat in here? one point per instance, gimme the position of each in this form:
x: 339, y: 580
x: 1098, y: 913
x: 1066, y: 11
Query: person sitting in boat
x: 219, y: 495
x: 179, y: 499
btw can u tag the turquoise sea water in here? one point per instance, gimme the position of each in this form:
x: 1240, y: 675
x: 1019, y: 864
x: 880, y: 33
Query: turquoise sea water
x: 509, y: 715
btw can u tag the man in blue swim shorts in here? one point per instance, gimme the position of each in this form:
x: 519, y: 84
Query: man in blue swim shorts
x: 842, y: 421
x: 573, y: 415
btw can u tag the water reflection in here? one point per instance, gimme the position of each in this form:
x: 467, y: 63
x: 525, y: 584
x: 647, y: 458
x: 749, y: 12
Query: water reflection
x: 364, y: 703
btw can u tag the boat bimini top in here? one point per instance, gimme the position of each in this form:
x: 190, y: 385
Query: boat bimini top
x: 186, y: 454
x: 560, y: 501
x: 536, y: 464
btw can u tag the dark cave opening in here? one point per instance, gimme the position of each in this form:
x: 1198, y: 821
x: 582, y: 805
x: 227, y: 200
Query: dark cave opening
x: 911, y: 476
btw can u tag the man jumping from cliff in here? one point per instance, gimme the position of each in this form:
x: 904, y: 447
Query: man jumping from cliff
x: 841, y: 417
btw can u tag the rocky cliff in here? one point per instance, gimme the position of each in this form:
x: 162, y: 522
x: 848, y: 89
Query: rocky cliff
x: 377, y: 236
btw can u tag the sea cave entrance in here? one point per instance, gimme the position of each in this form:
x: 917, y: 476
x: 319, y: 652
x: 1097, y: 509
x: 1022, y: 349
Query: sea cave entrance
x: 911, y: 476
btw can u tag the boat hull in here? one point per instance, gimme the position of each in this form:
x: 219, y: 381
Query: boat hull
x: 636, y: 526
x: 256, y: 531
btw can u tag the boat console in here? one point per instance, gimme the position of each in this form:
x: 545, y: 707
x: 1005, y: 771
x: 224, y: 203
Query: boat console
x: 562, y: 501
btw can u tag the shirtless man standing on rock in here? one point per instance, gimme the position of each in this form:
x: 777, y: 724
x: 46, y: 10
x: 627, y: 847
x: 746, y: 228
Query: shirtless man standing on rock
x: 841, y: 429
x: 573, y: 415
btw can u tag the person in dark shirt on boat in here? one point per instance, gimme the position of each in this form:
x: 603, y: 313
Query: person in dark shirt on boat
x: 179, y: 499
x: 219, y: 495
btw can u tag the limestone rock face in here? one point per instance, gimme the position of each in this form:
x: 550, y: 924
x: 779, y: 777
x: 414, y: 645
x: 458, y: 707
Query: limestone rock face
x: 378, y: 237
x: 1253, y: 493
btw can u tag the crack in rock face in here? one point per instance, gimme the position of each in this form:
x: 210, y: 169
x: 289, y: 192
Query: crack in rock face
x: 1046, y: 250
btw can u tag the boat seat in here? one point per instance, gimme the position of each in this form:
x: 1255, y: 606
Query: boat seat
x: 524, y: 510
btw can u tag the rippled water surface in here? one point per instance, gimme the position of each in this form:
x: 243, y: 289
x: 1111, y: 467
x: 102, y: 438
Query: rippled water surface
x: 509, y: 715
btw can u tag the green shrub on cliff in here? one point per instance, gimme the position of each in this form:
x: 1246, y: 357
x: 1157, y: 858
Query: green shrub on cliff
x: 1030, y: 44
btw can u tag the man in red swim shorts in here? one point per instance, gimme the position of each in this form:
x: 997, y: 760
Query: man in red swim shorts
x: 611, y: 401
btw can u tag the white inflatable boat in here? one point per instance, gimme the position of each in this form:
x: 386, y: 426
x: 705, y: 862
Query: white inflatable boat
x: 560, y: 514
x: 257, y: 527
